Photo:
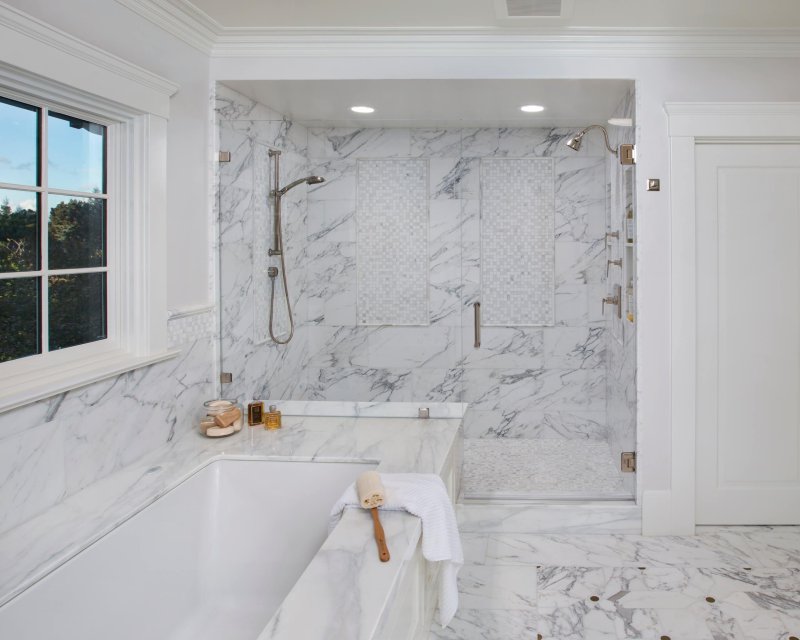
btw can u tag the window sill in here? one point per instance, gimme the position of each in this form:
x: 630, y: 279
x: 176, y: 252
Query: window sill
x: 52, y: 380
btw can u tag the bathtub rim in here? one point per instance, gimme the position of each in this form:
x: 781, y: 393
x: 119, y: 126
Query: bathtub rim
x: 73, y: 551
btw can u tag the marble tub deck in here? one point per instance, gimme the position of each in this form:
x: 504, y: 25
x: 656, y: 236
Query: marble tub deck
x: 345, y: 581
x: 727, y: 583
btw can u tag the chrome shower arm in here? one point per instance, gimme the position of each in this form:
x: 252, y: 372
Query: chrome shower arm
x: 605, y: 135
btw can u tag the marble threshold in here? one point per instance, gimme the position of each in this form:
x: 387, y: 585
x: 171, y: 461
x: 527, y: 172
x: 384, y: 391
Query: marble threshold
x: 397, y: 444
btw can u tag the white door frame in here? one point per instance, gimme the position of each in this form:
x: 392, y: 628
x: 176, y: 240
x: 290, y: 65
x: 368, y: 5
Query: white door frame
x: 673, y: 511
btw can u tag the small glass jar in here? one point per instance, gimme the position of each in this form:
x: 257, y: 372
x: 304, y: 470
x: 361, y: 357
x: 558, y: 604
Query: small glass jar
x: 221, y: 418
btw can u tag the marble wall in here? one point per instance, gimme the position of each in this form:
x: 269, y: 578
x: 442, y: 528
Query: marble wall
x: 621, y: 334
x: 537, y: 382
x: 260, y: 367
x: 53, y: 448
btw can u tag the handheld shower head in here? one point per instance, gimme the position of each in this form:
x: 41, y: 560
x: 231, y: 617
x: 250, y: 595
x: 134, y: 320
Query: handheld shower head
x: 292, y: 185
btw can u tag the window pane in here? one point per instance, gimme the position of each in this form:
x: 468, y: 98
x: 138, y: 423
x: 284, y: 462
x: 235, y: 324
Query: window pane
x: 19, y: 318
x: 75, y: 154
x: 77, y: 309
x: 19, y: 230
x: 19, y: 143
x: 76, y: 232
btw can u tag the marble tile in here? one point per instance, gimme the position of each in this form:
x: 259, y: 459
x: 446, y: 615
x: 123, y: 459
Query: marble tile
x: 580, y: 199
x: 454, y: 178
x: 31, y: 473
x: 414, y: 347
x: 497, y: 587
x: 579, y: 263
x: 481, y: 519
x: 358, y: 143
x: 534, y: 423
x: 487, y: 624
x: 574, y: 347
x: 432, y: 143
x: 332, y: 221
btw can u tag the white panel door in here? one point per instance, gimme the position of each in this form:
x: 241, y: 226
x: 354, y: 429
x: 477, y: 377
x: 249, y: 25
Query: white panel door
x: 748, y: 341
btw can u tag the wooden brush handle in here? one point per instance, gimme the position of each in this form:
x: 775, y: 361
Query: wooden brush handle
x: 380, y: 536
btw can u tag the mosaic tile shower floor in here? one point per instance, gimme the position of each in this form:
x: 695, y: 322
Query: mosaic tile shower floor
x: 727, y: 583
x: 539, y: 468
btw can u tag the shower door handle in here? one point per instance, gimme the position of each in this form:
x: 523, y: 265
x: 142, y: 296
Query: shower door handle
x: 476, y: 307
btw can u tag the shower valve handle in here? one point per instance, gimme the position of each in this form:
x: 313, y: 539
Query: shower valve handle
x: 615, y: 300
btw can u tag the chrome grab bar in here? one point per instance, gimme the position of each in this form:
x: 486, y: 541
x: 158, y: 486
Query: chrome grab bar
x: 476, y: 306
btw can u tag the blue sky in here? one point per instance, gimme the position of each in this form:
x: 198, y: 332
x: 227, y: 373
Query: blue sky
x: 75, y: 158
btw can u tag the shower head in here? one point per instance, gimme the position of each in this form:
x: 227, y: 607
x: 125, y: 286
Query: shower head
x: 575, y: 143
x: 307, y: 180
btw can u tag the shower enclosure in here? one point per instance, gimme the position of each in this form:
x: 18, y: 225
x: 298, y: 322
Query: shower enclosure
x: 447, y: 261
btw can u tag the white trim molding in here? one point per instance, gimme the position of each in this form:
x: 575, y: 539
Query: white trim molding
x: 672, y: 511
x: 38, y: 48
x: 49, y: 65
x: 180, y: 18
x: 185, y: 21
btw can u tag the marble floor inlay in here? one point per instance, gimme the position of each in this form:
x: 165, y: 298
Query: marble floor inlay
x: 533, y: 468
x: 726, y: 583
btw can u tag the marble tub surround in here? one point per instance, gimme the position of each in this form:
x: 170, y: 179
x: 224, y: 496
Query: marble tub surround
x: 726, y: 583
x: 31, y: 550
x: 54, y: 448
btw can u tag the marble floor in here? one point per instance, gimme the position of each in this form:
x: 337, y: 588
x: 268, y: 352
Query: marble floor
x: 727, y: 583
x: 498, y: 468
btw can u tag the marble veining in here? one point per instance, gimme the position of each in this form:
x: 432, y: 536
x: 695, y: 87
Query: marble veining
x: 523, y: 382
x: 727, y: 583
x: 398, y: 444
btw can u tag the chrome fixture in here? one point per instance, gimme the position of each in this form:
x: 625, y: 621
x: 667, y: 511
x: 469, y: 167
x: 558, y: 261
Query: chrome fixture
x: 277, y: 249
x: 476, y: 307
x: 625, y: 153
x: 615, y: 300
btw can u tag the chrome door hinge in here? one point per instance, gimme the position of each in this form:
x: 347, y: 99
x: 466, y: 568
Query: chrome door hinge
x: 225, y: 377
x: 628, y: 462
x: 224, y: 156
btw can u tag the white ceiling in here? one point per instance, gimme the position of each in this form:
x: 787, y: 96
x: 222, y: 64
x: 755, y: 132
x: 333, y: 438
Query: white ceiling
x: 481, y: 13
x: 439, y: 103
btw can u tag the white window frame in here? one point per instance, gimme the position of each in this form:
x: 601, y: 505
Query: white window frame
x: 39, y: 64
x: 111, y: 235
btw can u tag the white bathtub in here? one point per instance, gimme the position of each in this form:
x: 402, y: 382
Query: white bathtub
x: 212, y: 558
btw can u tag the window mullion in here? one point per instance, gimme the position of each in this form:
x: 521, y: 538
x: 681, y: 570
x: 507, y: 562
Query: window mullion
x: 44, y: 224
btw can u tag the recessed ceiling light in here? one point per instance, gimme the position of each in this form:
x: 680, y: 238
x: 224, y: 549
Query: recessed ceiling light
x: 621, y: 122
x: 362, y: 109
x: 531, y: 108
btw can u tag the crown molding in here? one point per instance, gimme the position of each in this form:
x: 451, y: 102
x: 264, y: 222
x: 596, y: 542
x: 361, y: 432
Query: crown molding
x: 185, y: 21
x: 33, y: 52
x: 181, y: 19
x: 571, y: 42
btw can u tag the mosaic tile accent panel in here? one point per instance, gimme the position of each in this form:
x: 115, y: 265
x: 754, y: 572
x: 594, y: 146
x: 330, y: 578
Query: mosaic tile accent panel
x: 392, y: 242
x: 185, y: 327
x: 517, y: 241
